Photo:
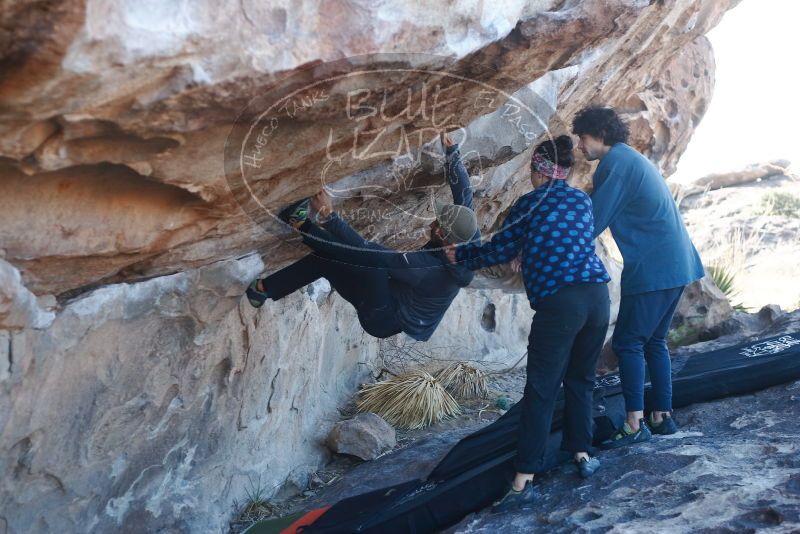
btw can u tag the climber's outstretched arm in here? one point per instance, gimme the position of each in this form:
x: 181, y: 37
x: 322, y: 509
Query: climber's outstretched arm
x: 457, y: 176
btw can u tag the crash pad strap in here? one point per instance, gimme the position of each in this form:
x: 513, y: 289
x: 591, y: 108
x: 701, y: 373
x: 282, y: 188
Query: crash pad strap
x: 288, y: 524
x: 304, y: 521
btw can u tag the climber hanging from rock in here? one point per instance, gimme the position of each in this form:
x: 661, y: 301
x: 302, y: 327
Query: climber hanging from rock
x: 392, y: 291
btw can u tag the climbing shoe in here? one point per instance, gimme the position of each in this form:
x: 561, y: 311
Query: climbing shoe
x: 295, y: 213
x: 626, y: 436
x: 587, y: 466
x: 254, y: 296
x: 518, y: 500
x: 665, y: 427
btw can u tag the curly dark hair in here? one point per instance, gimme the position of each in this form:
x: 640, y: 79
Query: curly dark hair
x: 600, y: 122
x: 558, y: 150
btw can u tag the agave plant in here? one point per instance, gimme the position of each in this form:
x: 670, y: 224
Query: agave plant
x: 464, y: 381
x: 412, y: 400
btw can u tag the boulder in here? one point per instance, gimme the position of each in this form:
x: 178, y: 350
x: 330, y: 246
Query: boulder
x: 156, y: 395
x: 702, y: 308
x: 750, y: 173
x: 115, y: 120
x: 769, y: 314
x: 366, y: 436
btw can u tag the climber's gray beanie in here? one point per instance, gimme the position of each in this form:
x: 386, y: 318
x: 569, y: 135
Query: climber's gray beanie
x: 458, y: 222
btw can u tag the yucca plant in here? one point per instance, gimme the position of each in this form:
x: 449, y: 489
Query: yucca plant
x: 724, y: 277
x: 412, y: 400
x: 464, y: 381
x: 256, y: 506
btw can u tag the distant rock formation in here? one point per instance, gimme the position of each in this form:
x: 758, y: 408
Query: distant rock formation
x: 750, y: 173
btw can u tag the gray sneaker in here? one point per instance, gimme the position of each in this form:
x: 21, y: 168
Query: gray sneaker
x: 626, y: 436
x: 587, y: 466
x: 518, y: 500
x: 665, y: 427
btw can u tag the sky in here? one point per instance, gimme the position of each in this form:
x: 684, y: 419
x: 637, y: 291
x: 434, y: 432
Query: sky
x: 754, y: 113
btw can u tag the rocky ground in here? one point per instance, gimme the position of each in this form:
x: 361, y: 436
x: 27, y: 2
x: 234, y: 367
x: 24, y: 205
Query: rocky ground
x: 735, y: 225
x: 734, y: 466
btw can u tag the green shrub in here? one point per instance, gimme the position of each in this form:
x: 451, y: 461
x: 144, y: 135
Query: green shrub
x: 781, y: 203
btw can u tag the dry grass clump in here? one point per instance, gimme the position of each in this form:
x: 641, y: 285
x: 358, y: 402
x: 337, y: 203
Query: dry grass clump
x: 256, y: 507
x: 412, y: 400
x: 464, y: 381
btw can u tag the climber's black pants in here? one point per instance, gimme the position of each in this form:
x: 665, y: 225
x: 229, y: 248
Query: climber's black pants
x: 566, y: 337
x: 366, y: 288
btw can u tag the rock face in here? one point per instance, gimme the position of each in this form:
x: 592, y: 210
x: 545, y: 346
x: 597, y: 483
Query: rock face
x: 148, y: 394
x: 212, y: 396
x: 115, y: 123
x: 366, y: 435
x: 18, y: 306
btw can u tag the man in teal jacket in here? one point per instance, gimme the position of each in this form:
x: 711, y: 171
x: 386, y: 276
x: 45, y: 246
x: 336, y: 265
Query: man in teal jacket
x: 632, y: 199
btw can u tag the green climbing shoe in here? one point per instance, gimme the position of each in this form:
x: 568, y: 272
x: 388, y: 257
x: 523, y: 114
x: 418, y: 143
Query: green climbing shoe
x: 627, y: 436
x: 665, y: 427
x: 254, y: 296
x: 295, y: 213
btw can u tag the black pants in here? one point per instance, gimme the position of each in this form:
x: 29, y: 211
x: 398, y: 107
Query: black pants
x: 339, y: 257
x: 566, y: 337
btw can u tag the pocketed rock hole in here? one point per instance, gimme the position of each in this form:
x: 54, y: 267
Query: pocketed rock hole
x: 488, y: 318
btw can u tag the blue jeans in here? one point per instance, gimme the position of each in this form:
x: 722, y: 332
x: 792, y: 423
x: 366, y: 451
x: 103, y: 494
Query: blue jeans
x: 641, y: 334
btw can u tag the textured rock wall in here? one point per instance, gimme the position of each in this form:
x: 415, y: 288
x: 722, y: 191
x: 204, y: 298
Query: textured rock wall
x: 153, y: 405
x: 148, y: 395
x: 116, y: 113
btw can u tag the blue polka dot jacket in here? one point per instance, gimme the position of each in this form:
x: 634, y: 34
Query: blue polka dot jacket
x: 552, y: 229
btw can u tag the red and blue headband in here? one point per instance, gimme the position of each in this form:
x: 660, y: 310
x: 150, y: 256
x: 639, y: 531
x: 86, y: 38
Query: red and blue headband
x: 542, y: 165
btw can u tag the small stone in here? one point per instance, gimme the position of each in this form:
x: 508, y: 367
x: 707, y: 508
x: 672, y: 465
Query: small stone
x: 769, y: 313
x: 366, y: 436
